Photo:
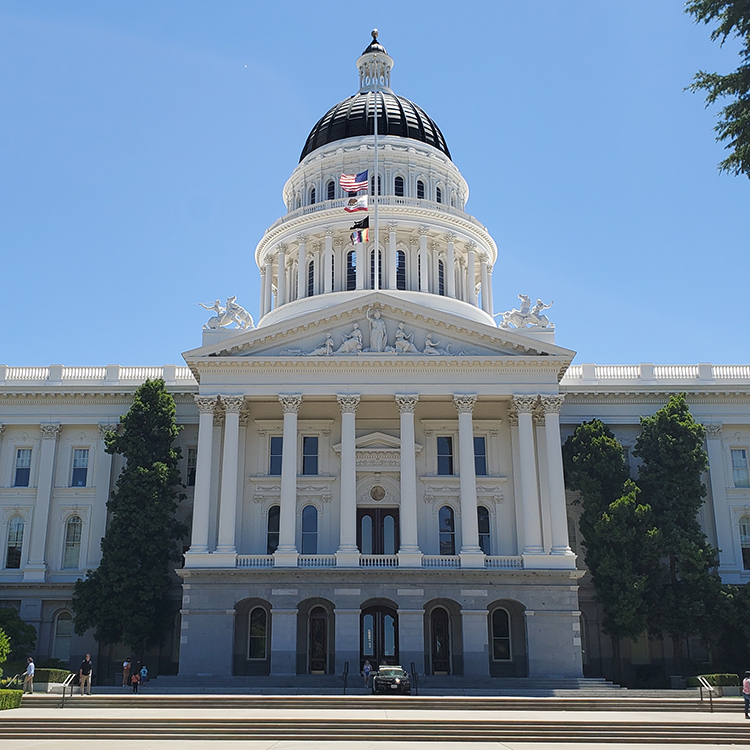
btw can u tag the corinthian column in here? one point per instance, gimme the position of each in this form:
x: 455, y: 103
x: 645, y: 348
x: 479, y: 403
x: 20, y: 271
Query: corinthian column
x: 281, y: 291
x: 392, y: 255
x: 347, y: 553
x: 328, y: 262
x: 551, y: 406
x: 471, y: 553
x: 409, y: 554
x: 485, y: 283
x: 267, y: 286
x: 471, y: 273
x: 424, y: 272
x: 532, y: 522
x: 202, y: 493
x: 450, y: 266
x: 36, y: 568
x: 302, y: 267
x: 725, y: 532
x: 286, y: 552
x: 229, y: 467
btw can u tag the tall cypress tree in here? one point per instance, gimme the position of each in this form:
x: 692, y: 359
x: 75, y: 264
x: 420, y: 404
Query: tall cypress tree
x: 126, y: 598
x: 687, y: 591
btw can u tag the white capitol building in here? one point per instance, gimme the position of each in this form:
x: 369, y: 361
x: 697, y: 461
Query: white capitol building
x: 374, y: 471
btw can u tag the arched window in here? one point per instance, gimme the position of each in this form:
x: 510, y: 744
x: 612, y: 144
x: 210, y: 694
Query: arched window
x: 272, y: 532
x: 71, y: 558
x: 311, y: 278
x: 441, y: 278
x: 420, y: 189
x: 439, y: 195
x: 399, y: 186
x: 366, y: 536
x: 309, y: 530
x: 483, y: 522
x: 372, y: 270
x: 501, y: 635
x: 312, y: 195
x: 372, y: 185
x: 447, y: 529
x: 400, y: 269
x: 257, y: 633
x: 298, y: 201
x: 63, y: 635
x: 331, y: 190
x: 744, y: 542
x: 351, y: 270
x: 15, y: 542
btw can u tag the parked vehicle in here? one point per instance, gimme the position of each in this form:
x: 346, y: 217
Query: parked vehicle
x: 391, y: 679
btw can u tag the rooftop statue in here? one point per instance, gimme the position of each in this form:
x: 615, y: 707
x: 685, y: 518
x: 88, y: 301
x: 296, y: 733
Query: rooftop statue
x: 378, y: 333
x: 527, y: 316
x: 225, y: 316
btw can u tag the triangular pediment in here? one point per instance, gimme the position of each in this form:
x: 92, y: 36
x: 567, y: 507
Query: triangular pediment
x: 372, y: 325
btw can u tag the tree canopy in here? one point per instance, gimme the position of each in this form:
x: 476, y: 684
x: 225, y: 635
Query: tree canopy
x: 22, y: 635
x: 733, y: 127
x: 126, y: 598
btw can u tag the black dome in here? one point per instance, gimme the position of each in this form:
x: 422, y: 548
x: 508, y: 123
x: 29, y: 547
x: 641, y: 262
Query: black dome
x: 349, y: 119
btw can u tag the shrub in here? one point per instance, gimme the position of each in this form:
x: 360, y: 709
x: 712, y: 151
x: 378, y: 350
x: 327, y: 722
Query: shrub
x: 53, y: 663
x: 10, y: 698
x: 717, y: 680
x: 51, y: 675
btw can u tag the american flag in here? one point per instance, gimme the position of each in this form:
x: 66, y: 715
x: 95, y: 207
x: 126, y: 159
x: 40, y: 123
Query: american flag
x: 353, y: 182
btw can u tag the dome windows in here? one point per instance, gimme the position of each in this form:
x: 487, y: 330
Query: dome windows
x: 420, y: 189
x: 312, y: 195
x: 398, y: 186
x: 330, y: 190
x: 439, y: 195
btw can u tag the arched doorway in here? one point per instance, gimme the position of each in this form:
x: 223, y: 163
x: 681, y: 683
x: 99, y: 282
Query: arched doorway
x: 440, y: 641
x: 379, y: 635
x: 377, y: 531
x: 317, y: 645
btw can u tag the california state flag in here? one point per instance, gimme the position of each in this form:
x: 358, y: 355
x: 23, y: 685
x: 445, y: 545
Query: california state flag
x: 356, y: 204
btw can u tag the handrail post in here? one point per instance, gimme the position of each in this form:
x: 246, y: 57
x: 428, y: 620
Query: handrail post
x: 345, y: 676
x: 415, y: 678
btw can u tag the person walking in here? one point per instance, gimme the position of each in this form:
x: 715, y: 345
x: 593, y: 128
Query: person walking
x: 126, y: 672
x: 84, y: 675
x: 366, y: 669
x: 746, y: 693
x: 28, y: 676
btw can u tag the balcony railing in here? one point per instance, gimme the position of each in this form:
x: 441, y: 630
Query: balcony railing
x: 316, y: 561
x: 378, y: 561
x: 493, y: 562
x: 503, y: 562
x: 254, y: 561
x: 441, y: 561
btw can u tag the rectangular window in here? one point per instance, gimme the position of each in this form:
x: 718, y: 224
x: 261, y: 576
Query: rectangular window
x: 192, y: 462
x: 445, y: 455
x: 23, y: 467
x: 310, y: 455
x: 480, y: 456
x: 274, y: 465
x: 739, y: 468
x: 80, y: 467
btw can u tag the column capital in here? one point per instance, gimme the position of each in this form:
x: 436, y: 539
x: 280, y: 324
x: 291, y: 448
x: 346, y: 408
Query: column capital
x: 262, y: 270
x: 423, y: 231
x: 524, y: 404
x: 106, y: 429
x: 268, y: 259
x: 317, y: 246
x: 464, y: 403
x: 302, y: 239
x: 552, y: 404
x: 328, y: 232
x: 413, y: 241
x: 50, y: 431
x: 434, y: 245
x: 281, y: 248
x: 451, y: 237
x: 232, y: 404
x: 348, y: 403
x: 406, y: 402
x: 471, y: 245
x: 206, y: 404
x: 291, y: 402
x: 713, y: 430
x: 392, y: 226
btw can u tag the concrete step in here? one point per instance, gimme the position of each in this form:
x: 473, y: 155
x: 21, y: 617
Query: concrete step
x: 357, y: 730
x: 619, y: 701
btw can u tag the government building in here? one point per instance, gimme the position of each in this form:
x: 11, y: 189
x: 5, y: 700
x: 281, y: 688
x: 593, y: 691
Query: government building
x: 374, y: 470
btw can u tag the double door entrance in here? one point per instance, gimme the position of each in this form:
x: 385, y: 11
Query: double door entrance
x: 377, y: 531
x: 379, y: 636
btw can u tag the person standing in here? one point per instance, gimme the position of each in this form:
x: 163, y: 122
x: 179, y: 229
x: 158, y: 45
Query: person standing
x: 144, y: 675
x: 84, y: 675
x: 366, y: 669
x: 746, y: 694
x: 135, y: 679
x: 126, y: 673
x: 28, y: 676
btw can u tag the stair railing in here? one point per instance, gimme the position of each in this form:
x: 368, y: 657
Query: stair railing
x: 703, y: 683
x: 67, y: 684
x: 414, y: 678
x: 345, y: 675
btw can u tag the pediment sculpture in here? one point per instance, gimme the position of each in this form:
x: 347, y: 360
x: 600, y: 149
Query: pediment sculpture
x: 227, y: 315
x: 527, y: 316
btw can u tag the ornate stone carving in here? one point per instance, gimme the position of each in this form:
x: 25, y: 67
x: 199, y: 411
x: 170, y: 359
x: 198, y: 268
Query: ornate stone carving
x: 348, y: 403
x: 301, y: 238
x: 552, y: 404
x: 351, y: 343
x: 378, y: 332
x: 232, y: 404
x: 290, y: 403
x: 403, y: 342
x: 227, y: 315
x: 328, y: 232
x: 107, y: 429
x: 713, y: 431
x: 464, y: 403
x: 206, y: 404
x: 527, y: 316
x: 392, y: 226
x: 451, y: 237
x: 325, y: 349
x: 423, y: 231
x: 524, y: 404
x: 50, y: 431
x: 406, y: 403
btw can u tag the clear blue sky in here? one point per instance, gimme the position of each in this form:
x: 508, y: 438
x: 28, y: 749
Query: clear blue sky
x: 144, y: 146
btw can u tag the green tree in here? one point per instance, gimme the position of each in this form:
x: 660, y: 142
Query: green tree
x: 22, y: 635
x: 126, y: 598
x: 686, y: 589
x: 4, y: 648
x: 733, y: 18
x: 620, y: 541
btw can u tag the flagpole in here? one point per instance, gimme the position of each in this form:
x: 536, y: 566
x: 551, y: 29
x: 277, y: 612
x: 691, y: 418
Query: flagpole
x: 376, y: 180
